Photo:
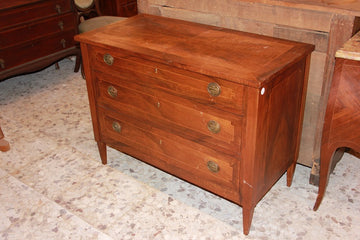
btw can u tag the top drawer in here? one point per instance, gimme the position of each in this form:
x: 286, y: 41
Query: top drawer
x: 155, y: 77
x: 33, y: 12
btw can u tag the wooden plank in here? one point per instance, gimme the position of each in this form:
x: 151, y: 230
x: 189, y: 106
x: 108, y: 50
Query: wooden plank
x: 319, y: 39
x: 191, y: 16
x: 246, y: 25
x: 300, y: 18
x: 311, y: 108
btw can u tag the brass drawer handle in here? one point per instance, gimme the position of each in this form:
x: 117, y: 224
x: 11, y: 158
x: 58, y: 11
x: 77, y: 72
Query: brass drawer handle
x: 213, y: 126
x: 108, y: 59
x: 112, y: 91
x: 61, y: 25
x: 116, y: 127
x: 213, y: 166
x: 2, y: 63
x: 214, y: 89
x: 58, y: 8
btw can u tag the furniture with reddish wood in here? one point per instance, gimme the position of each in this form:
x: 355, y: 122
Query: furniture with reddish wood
x: 342, y: 119
x: 219, y: 108
x: 4, y: 145
x: 121, y: 8
x: 35, y: 34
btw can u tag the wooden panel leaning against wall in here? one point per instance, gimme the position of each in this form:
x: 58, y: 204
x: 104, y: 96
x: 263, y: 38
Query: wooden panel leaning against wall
x: 121, y: 8
x: 326, y: 26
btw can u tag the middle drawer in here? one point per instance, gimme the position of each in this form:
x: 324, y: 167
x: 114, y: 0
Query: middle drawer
x: 196, y: 122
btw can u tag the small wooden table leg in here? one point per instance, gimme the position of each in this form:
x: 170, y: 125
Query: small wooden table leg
x: 248, y: 213
x: 325, y: 163
x: 102, y: 151
x: 4, y: 145
x: 290, y: 174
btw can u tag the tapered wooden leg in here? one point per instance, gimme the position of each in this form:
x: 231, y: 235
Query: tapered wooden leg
x: 4, y: 145
x: 77, y: 62
x: 248, y: 213
x: 325, y: 163
x: 290, y: 174
x: 102, y: 151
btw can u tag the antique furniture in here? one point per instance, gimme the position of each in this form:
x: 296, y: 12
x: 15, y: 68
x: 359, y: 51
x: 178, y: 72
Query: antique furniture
x: 4, y: 145
x: 90, y: 17
x: 219, y: 108
x: 342, y: 119
x: 122, y: 8
x: 35, y: 34
x: 327, y: 24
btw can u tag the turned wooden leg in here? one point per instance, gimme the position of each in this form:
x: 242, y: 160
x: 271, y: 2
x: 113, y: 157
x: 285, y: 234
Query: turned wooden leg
x: 325, y: 163
x: 248, y: 213
x: 4, y: 145
x: 102, y: 151
x: 290, y: 174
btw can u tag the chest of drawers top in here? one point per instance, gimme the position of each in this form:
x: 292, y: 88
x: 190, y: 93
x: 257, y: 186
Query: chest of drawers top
x: 240, y: 57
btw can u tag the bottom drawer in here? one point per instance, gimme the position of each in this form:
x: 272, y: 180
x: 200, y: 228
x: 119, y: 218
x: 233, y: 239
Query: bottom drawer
x: 29, y: 51
x: 195, y: 163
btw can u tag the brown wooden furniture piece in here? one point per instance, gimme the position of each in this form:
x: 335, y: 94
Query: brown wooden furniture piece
x: 121, y: 8
x: 90, y: 17
x: 35, y: 34
x: 219, y: 108
x: 4, y: 145
x: 342, y: 119
x: 327, y: 24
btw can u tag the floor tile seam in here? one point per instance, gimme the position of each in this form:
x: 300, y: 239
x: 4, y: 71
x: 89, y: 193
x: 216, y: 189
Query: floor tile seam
x: 52, y: 202
x: 23, y: 167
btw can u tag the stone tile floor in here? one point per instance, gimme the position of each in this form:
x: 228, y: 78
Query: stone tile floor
x: 53, y: 185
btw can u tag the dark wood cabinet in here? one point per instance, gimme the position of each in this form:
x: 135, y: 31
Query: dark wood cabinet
x: 34, y: 34
x: 221, y: 109
x: 121, y: 8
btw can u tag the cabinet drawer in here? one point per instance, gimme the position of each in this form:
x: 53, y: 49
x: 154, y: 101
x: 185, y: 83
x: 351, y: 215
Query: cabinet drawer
x: 195, y: 122
x: 36, y: 30
x: 211, y: 91
x: 175, y: 153
x: 20, y: 54
x: 28, y: 13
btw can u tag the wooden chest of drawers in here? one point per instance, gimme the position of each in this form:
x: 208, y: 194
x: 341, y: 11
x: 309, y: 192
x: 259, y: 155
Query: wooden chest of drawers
x: 34, y: 34
x: 221, y: 109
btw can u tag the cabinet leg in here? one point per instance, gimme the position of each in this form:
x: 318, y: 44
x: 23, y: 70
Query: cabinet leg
x: 77, y: 62
x: 325, y: 163
x: 248, y: 213
x: 102, y: 151
x: 290, y: 174
x: 4, y: 145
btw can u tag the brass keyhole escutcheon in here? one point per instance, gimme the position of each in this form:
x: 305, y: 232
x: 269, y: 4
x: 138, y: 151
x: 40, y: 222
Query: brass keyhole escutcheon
x: 213, y: 126
x: 108, y: 59
x: 213, y: 166
x: 112, y: 91
x: 214, y: 89
x: 116, y: 127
